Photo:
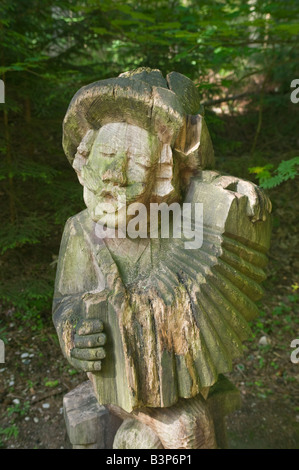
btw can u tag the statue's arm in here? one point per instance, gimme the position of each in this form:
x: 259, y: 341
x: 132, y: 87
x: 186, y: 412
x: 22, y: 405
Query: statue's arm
x: 81, y: 338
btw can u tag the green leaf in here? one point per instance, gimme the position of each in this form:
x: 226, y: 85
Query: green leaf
x: 29, y: 231
x: 101, y: 31
x: 52, y: 383
x: 285, y: 171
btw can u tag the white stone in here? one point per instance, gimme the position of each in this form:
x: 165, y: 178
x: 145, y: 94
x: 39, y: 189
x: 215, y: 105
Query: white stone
x: 264, y: 341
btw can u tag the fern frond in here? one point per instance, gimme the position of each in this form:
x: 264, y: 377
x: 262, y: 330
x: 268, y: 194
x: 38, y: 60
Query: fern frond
x: 25, y: 170
x: 31, y: 230
x: 286, y: 170
x: 26, y: 293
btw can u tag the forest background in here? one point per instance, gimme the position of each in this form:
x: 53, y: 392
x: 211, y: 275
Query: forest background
x: 244, y: 58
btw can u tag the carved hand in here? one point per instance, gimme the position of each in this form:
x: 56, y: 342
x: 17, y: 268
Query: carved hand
x: 88, y: 353
x: 259, y: 205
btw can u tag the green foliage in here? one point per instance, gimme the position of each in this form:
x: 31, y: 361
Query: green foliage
x: 9, y: 432
x: 23, y: 293
x: 284, y: 317
x: 29, y: 231
x: 3, y: 333
x: 48, y: 51
x: 19, y: 409
x: 51, y: 383
x: 285, y: 171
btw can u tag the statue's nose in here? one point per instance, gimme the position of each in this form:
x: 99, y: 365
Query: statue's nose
x: 115, y: 172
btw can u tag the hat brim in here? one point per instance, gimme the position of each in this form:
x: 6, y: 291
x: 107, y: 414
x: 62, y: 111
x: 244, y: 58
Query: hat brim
x: 153, y: 108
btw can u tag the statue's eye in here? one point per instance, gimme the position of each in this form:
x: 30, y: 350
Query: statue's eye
x: 139, y: 160
x: 107, y: 154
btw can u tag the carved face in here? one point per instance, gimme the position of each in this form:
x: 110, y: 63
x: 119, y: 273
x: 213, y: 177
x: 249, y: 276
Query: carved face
x: 120, y: 165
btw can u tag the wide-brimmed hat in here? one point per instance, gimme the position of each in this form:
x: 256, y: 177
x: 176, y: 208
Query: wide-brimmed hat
x: 168, y: 108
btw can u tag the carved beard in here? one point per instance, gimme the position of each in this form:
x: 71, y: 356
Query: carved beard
x: 113, y: 201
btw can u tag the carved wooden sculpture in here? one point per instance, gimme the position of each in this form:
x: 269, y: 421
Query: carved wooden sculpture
x: 170, y: 319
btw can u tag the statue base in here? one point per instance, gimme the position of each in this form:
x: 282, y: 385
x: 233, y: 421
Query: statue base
x: 92, y: 426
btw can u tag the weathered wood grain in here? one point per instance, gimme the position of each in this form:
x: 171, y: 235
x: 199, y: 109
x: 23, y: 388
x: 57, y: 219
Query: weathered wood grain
x: 174, y: 319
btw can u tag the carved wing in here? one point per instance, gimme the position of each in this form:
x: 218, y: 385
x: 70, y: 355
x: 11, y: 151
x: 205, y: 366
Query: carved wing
x: 182, y: 321
x: 185, y: 321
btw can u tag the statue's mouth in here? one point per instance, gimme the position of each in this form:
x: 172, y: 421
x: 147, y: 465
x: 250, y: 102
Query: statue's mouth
x: 107, y: 194
x: 110, y: 192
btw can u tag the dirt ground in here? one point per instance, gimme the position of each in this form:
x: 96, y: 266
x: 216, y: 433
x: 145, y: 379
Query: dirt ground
x: 35, y: 376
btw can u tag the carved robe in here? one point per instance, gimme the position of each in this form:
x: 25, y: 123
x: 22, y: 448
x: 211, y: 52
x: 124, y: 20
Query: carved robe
x: 174, y: 318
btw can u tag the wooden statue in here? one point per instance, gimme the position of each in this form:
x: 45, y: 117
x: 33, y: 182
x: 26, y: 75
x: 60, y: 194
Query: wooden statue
x: 151, y: 322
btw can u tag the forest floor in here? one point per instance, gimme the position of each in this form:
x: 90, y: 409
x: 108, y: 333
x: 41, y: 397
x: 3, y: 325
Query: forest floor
x: 35, y: 375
